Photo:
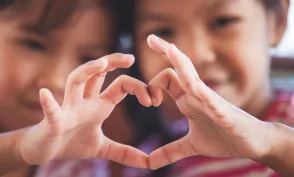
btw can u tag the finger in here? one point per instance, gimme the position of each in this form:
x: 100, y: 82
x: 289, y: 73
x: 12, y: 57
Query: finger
x: 119, y: 60
x: 123, y: 154
x: 124, y: 85
x: 171, y: 153
x: 94, y: 85
x: 78, y: 78
x: 166, y: 80
x: 51, y: 108
x: 180, y: 62
x: 74, y: 88
x: 218, y: 109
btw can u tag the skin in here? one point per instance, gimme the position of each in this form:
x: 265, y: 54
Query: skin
x: 30, y: 61
x: 216, y: 127
x: 229, y: 83
x: 227, y: 41
x: 59, y: 135
x: 76, y: 124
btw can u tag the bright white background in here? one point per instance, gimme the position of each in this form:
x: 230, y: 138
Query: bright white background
x: 286, y: 48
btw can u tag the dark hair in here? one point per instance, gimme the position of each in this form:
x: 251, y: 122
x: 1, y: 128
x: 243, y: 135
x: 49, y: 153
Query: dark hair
x: 149, y: 121
x: 55, y: 13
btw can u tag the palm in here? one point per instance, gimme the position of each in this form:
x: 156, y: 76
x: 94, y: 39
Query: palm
x: 73, y: 131
x: 214, y: 140
x: 86, y: 133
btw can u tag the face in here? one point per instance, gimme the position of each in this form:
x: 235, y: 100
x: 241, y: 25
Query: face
x: 226, y: 40
x: 30, y: 60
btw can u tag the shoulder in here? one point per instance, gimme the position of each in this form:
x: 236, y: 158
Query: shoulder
x: 282, y: 109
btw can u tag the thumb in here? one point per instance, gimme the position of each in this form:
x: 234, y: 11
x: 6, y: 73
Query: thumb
x: 171, y: 153
x: 50, y: 106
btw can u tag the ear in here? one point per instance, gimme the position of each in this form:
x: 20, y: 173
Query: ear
x: 278, y: 19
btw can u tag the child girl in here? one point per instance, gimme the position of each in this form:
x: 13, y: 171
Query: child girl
x: 228, y: 44
x: 41, y: 42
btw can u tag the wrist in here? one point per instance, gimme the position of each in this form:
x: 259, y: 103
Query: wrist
x: 17, y: 145
x: 280, y: 156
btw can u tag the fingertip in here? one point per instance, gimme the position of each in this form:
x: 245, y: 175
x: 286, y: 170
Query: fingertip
x: 146, y: 100
x: 154, y: 101
x: 149, y: 102
x: 44, y: 93
x: 155, y: 43
x: 103, y: 63
x: 153, y: 165
x: 156, y: 96
x: 150, y: 38
x: 129, y: 60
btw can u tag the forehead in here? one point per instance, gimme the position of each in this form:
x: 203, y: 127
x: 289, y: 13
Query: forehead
x: 45, y: 16
x: 87, y: 23
x: 90, y: 25
x: 182, y: 6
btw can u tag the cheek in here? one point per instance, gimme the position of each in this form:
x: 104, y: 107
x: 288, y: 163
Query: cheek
x: 246, y: 54
x: 16, y: 73
x: 254, y: 65
x: 150, y: 63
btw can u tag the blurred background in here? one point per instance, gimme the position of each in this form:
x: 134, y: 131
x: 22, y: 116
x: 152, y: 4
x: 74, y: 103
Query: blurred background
x: 283, y: 57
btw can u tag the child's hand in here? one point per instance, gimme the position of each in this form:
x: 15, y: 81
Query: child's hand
x: 217, y: 128
x: 73, y: 131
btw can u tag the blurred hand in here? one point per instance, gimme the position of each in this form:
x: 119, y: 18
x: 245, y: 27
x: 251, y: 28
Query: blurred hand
x: 73, y: 130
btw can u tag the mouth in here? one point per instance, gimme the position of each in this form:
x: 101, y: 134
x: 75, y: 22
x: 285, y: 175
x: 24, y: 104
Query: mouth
x: 34, y: 109
x: 214, y: 84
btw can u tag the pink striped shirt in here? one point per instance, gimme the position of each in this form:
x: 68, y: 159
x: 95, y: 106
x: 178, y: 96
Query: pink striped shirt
x: 280, y: 111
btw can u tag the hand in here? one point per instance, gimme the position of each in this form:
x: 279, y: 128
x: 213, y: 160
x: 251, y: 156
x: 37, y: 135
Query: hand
x: 216, y: 127
x: 73, y: 131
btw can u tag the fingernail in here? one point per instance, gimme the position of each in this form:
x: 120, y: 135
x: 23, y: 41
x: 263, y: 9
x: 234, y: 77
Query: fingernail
x: 155, y: 37
x: 153, y: 101
x: 160, y: 42
x: 129, y: 56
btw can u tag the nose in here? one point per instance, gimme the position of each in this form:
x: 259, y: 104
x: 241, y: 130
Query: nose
x: 53, y: 76
x: 197, y: 46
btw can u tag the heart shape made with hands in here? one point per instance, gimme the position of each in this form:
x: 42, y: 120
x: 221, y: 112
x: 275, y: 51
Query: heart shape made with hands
x: 73, y: 130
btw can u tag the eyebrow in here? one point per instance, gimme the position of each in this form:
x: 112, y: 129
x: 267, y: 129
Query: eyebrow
x: 154, y: 16
x: 97, y: 47
x: 32, y: 30
x: 221, y: 3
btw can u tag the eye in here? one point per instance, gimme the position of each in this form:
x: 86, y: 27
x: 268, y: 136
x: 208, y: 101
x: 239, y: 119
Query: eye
x: 86, y: 59
x: 223, y: 22
x: 33, y: 44
x: 163, y: 33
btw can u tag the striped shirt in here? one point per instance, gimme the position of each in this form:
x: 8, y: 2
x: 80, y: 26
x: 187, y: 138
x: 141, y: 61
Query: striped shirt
x: 281, y: 110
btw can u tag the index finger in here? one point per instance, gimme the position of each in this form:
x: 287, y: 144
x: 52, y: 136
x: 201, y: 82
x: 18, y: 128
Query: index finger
x: 78, y: 78
x: 180, y: 62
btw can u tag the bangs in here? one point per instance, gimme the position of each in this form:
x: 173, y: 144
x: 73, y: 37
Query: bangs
x: 54, y: 14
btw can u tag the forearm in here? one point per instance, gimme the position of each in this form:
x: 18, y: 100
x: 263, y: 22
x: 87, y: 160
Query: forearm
x: 281, y: 159
x: 10, y: 157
